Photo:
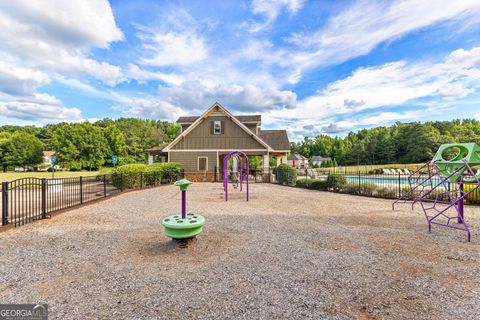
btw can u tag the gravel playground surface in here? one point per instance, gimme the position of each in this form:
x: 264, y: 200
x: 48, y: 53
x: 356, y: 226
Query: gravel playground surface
x: 287, y: 254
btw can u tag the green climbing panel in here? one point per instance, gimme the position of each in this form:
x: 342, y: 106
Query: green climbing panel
x: 455, y: 166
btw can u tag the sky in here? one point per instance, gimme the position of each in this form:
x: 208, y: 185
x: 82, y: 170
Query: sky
x: 311, y: 67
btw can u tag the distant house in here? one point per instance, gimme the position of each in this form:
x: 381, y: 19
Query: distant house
x: 297, y: 161
x: 318, y: 160
x: 47, y: 157
x: 205, y: 140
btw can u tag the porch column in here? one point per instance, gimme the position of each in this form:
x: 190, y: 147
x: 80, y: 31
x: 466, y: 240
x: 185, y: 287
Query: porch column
x: 266, y: 165
x: 150, y: 158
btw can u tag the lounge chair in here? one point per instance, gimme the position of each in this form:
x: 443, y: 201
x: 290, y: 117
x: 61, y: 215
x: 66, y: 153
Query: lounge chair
x: 387, y: 171
x: 406, y: 171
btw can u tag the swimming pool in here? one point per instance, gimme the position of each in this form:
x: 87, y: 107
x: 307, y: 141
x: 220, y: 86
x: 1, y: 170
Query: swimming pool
x: 402, y: 180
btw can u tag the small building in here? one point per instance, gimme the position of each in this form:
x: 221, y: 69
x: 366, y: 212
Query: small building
x: 318, y: 160
x: 205, y: 140
x: 298, y: 161
x: 156, y: 154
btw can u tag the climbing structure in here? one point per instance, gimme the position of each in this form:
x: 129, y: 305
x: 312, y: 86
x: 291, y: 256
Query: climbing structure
x: 441, y: 185
x: 237, y: 170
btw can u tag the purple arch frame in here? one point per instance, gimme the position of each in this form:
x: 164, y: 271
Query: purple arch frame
x: 239, y: 155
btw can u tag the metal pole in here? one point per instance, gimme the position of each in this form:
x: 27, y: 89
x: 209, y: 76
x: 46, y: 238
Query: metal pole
x: 104, y: 185
x: 248, y: 170
x: 399, y: 186
x: 44, y: 197
x: 460, y: 202
x: 184, y: 204
x: 81, y: 189
x: 4, y: 203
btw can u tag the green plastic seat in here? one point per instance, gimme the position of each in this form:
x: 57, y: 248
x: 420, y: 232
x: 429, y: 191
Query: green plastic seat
x: 178, y: 228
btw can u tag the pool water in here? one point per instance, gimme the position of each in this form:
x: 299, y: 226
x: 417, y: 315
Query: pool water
x: 385, y: 180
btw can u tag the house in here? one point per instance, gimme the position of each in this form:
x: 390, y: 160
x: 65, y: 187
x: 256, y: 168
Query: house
x: 317, y: 160
x: 46, y: 163
x: 297, y: 161
x: 205, y: 140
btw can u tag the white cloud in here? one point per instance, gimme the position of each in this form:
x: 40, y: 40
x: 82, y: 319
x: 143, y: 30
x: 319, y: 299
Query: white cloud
x: 270, y: 9
x: 362, y: 26
x: 427, y: 85
x: 176, y: 42
x: 142, y: 75
x: 240, y: 98
x: 15, y: 80
x: 38, y: 112
x: 57, y: 35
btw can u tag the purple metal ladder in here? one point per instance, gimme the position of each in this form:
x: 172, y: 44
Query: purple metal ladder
x: 441, y: 205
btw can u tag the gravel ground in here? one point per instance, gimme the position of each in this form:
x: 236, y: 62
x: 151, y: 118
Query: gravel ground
x: 288, y: 254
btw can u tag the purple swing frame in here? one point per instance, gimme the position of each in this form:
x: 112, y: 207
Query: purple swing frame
x: 239, y: 155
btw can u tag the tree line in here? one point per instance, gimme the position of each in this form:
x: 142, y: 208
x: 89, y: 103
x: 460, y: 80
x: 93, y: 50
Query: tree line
x: 413, y: 142
x: 86, y: 145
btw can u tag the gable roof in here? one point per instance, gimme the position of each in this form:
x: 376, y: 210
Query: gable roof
x: 244, y: 118
x: 296, y: 157
x: 218, y: 106
x: 319, y: 158
x: 277, y: 139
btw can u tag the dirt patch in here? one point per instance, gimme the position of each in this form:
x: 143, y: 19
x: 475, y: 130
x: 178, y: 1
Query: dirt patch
x: 287, y: 253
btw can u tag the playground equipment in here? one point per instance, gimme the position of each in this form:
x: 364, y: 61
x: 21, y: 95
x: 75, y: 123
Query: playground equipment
x: 184, y: 226
x: 237, y: 169
x: 439, y: 185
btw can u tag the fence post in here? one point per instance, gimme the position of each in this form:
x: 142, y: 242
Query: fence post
x: 4, y: 203
x: 81, y: 190
x: 104, y: 185
x: 215, y: 173
x: 306, y: 176
x: 121, y: 182
x: 359, y: 188
x: 399, y: 186
x: 44, y: 198
x: 141, y: 180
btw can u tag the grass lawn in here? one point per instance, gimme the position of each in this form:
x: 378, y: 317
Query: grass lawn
x: 7, y: 176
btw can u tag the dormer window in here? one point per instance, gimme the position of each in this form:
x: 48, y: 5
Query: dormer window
x: 217, y: 127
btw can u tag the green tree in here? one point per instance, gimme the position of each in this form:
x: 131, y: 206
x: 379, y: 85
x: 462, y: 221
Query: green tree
x: 20, y: 149
x: 80, y: 146
x: 116, y: 144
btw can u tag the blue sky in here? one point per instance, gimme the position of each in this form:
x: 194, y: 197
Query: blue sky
x: 309, y: 66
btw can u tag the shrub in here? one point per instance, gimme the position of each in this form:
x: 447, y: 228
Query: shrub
x: 130, y: 173
x: 161, y: 173
x: 386, y: 192
x: 337, y: 182
x: 318, y: 185
x: 136, y: 175
x: 286, y: 174
x: 362, y: 189
x: 473, y: 197
x: 302, y: 183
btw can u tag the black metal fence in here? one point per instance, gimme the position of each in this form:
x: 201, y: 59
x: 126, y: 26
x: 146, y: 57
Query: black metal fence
x: 387, y: 186
x: 26, y: 200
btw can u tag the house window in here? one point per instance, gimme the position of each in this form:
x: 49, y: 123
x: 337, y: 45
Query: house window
x: 217, y: 127
x: 202, y: 164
